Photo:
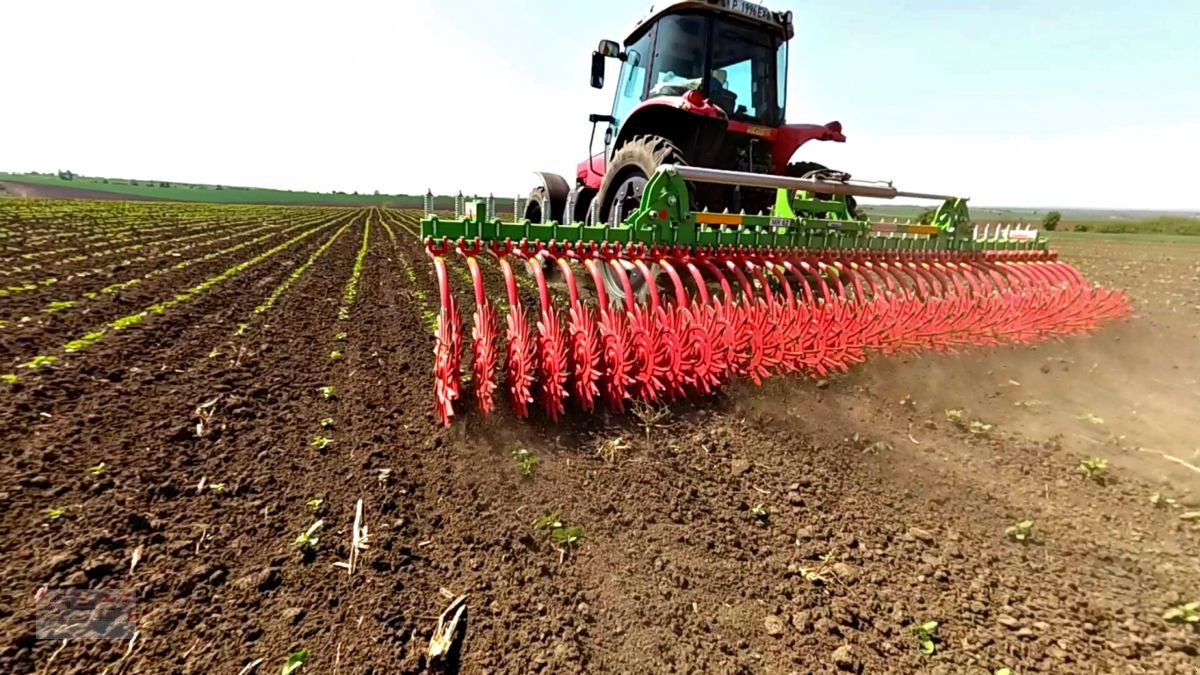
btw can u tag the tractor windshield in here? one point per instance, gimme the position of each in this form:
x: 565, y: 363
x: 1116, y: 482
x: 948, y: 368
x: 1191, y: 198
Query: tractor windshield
x: 737, y: 66
x: 744, y: 80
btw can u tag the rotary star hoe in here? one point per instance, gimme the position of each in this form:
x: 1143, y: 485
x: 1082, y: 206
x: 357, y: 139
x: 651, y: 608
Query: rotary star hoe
x: 751, y: 267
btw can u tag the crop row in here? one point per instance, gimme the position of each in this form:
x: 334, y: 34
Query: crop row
x: 60, y: 305
x: 90, y: 224
x: 111, y: 327
x: 15, y: 289
x: 428, y: 310
x: 82, y: 235
x: 136, y: 245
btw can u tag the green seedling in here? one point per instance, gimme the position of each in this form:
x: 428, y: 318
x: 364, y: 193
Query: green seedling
x: 9, y: 378
x: 327, y: 391
x: 526, y: 461
x: 214, y: 353
x: 55, y: 512
x: 327, y: 423
x: 1094, y: 469
x: 760, y: 512
x: 217, y: 488
x: 59, y: 305
x: 315, y: 505
x: 39, y: 362
x: 567, y: 537
x: 1022, y: 531
x: 927, y: 637
x: 335, y: 355
x: 1002, y: 671
x: 307, y: 540
x: 548, y: 521
x: 1157, y: 500
x: 1185, y: 614
x: 979, y: 427
x: 955, y: 416
x: 1190, y: 516
x: 339, y: 337
x: 98, y: 469
x: 320, y: 442
x: 295, y: 662
x: 241, y: 329
x: 564, y: 536
x: 1089, y: 417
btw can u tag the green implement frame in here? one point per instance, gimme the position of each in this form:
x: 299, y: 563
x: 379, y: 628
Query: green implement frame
x: 798, y: 220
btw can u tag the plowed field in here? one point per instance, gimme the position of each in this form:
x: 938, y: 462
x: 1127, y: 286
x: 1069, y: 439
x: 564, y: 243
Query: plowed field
x: 190, y: 388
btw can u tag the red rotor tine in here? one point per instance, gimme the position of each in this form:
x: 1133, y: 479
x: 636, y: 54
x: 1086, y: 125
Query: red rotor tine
x: 709, y: 355
x: 483, y: 340
x: 552, y: 348
x: 724, y: 330
x: 750, y: 315
x: 447, y: 348
x: 520, y: 357
x: 644, y: 329
x: 667, y: 345
x: 616, y: 343
x: 690, y: 323
x: 771, y: 332
x: 585, y: 344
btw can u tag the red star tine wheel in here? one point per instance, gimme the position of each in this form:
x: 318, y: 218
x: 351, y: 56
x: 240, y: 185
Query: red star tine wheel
x: 615, y: 344
x: 483, y: 335
x: 519, y: 357
x: 552, y: 347
x: 585, y: 344
x: 447, y: 348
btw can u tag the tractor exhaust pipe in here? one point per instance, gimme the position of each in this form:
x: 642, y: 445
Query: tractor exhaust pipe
x: 858, y: 189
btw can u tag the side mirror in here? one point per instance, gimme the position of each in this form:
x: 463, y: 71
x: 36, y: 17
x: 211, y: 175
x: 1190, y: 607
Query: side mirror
x: 609, y: 48
x: 597, y: 70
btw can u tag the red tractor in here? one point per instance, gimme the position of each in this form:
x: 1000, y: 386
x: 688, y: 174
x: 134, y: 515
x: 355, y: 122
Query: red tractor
x: 702, y: 82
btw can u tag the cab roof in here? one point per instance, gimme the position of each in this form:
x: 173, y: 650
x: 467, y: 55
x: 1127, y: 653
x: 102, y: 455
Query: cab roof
x: 778, y: 22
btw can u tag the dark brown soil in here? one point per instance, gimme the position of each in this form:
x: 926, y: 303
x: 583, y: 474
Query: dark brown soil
x: 876, y: 513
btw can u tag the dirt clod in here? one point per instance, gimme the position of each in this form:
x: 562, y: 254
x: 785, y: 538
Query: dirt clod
x: 774, y: 625
x: 923, y: 536
x: 846, y: 572
x: 739, y: 466
x: 845, y: 659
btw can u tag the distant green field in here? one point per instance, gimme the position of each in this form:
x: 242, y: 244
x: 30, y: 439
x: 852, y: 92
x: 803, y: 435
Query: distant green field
x: 1181, y: 239
x: 222, y: 194
x: 981, y: 214
x: 1169, y: 225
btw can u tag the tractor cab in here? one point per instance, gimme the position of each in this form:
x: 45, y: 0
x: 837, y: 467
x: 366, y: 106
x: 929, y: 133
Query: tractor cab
x: 732, y: 54
x: 701, y: 83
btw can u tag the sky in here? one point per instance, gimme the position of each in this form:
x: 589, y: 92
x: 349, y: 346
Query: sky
x: 1089, y: 103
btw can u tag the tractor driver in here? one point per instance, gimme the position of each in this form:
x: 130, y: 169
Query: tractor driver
x: 720, y: 96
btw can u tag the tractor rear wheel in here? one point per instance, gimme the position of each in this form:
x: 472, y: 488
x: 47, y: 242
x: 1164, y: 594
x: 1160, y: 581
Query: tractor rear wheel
x: 533, y: 207
x: 627, y: 174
